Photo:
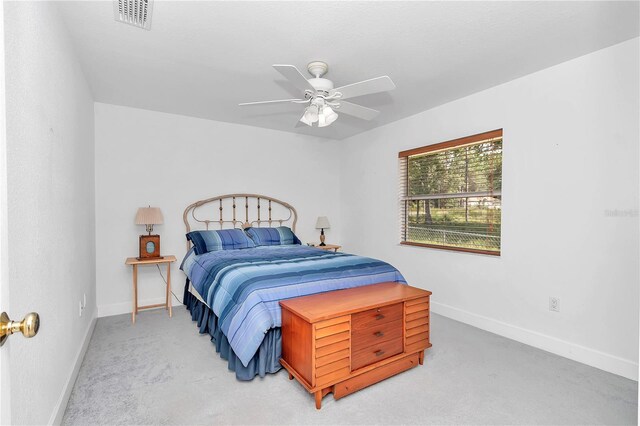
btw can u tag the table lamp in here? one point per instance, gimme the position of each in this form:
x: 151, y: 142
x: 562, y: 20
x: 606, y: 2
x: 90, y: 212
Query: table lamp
x: 149, y: 244
x: 322, y: 223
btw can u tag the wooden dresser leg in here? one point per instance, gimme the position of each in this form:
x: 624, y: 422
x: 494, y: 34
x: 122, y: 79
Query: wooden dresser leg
x: 318, y: 399
x: 421, y: 358
x: 290, y: 376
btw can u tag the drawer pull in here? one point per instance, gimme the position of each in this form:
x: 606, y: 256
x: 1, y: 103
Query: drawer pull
x: 378, y: 334
x: 379, y: 316
x: 379, y: 352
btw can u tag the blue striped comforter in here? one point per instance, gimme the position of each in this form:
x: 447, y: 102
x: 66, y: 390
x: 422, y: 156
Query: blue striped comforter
x: 243, y: 287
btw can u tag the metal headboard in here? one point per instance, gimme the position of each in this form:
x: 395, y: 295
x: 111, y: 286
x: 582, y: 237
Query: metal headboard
x: 226, y: 210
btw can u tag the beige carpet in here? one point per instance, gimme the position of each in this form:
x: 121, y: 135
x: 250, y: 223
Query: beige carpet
x: 161, y: 371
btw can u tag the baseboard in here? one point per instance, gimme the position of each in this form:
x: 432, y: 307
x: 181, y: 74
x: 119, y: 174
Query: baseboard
x: 61, y: 405
x: 603, y: 361
x: 125, y: 307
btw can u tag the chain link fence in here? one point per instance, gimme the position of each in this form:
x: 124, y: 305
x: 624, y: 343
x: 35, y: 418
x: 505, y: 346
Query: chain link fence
x: 453, y: 238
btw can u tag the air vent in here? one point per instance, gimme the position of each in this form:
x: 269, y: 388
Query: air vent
x: 134, y: 12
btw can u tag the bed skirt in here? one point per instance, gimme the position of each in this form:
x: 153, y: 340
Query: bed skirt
x: 267, y: 358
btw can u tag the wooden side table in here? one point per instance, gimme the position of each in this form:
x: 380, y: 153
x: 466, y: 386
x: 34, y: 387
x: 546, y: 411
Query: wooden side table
x: 135, y: 262
x: 329, y: 247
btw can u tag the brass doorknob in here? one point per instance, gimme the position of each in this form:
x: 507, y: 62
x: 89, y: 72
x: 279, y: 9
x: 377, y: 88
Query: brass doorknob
x: 28, y: 326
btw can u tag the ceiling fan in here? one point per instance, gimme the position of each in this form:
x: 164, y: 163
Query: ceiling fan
x: 321, y: 98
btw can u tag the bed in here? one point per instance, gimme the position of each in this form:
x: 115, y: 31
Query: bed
x: 233, y: 294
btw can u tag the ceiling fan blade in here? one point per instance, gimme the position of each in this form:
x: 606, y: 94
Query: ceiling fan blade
x: 295, y: 77
x: 357, y: 111
x: 271, y: 102
x: 366, y: 87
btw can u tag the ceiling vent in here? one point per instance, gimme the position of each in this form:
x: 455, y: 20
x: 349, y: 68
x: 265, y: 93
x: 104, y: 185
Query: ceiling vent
x: 134, y: 12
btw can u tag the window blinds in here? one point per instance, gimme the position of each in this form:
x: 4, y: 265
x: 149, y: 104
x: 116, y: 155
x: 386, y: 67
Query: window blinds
x: 451, y: 194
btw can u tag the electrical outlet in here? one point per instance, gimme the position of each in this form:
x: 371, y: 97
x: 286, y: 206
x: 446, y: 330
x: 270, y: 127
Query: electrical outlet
x: 554, y: 304
x: 79, y: 308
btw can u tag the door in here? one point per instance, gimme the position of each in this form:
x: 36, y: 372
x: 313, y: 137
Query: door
x: 5, y: 403
x: 30, y: 324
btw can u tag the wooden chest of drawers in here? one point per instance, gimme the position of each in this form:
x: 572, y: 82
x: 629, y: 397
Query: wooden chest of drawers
x: 345, y: 340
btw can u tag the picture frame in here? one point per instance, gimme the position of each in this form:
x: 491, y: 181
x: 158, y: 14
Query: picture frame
x: 149, y: 247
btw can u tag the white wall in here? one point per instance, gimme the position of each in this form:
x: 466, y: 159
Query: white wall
x: 570, y: 155
x: 169, y: 161
x: 50, y: 180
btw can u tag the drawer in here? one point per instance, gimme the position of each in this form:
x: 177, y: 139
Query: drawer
x: 378, y: 333
x: 376, y: 316
x: 374, y: 376
x: 375, y: 353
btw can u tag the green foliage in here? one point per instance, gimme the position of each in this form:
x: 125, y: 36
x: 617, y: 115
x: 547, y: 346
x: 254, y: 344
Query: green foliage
x: 475, y: 168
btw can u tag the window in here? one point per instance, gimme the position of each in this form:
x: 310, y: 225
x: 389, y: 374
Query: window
x: 450, y: 194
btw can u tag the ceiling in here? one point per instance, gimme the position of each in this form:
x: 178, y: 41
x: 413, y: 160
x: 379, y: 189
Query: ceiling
x: 201, y: 59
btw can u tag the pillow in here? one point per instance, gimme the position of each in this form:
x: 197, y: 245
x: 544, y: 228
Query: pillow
x: 224, y: 239
x: 272, y: 236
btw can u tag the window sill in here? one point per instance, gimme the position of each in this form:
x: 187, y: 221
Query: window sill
x: 450, y: 248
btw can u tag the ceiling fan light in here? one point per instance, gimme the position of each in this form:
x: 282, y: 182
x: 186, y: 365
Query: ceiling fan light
x: 304, y: 120
x: 310, y: 114
x: 329, y: 115
x: 322, y: 120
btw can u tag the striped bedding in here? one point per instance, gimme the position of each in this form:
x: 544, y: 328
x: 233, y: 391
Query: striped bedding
x: 243, y: 287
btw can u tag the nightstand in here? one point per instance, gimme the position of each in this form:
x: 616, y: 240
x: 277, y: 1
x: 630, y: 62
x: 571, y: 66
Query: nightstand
x: 133, y: 261
x: 329, y: 247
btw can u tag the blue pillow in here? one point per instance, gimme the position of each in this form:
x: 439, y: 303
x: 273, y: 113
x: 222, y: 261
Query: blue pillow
x: 272, y: 236
x: 224, y: 239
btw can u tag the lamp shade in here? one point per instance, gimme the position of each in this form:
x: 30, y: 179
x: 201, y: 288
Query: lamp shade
x: 322, y: 223
x: 322, y: 122
x: 330, y: 115
x: 327, y: 117
x: 310, y: 115
x: 149, y: 216
x: 305, y: 120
